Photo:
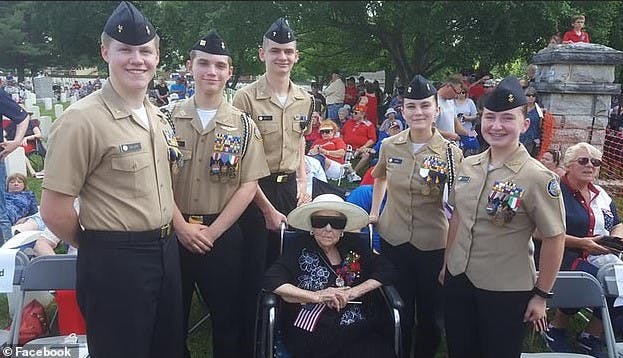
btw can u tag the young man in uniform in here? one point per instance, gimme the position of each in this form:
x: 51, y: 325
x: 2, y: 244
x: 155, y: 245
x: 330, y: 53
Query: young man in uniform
x: 113, y: 149
x: 20, y: 117
x: 223, y: 158
x: 281, y: 110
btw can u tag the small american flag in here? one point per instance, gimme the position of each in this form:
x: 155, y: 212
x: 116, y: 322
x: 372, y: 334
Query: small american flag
x: 308, y: 316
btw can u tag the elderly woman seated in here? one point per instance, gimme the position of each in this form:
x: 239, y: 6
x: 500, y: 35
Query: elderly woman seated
x: 324, y: 276
x: 590, y: 215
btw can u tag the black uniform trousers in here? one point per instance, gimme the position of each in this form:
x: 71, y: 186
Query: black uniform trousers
x: 128, y: 289
x: 217, y: 275
x: 481, y: 323
x: 419, y: 289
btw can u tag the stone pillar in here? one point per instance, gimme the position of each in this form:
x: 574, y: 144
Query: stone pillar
x: 575, y: 83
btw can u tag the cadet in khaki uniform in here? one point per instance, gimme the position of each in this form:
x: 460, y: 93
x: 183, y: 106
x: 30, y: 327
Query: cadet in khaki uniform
x: 501, y: 196
x: 113, y: 149
x: 415, y: 167
x: 223, y: 158
x: 282, y: 111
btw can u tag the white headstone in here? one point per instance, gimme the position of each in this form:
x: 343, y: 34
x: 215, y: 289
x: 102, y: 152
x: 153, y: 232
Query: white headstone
x: 58, y: 110
x: 45, y: 122
x: 63, y: 97
x: 16, y: 162
x: 28, y: 103
x: 48, y: 103
x: 36, y: 112
x: 31, y: 96
x: 73, y: 99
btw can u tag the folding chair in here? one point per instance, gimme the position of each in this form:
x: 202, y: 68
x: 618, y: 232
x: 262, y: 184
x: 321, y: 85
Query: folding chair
x: 21, y: 260
x: 606, y: 277
x: 576, y: 289
x: 266, y: 325
x: 43, y: 273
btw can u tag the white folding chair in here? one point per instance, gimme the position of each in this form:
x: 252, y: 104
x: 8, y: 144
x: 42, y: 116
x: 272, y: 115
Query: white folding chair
x: 43, y: 273
x: 576, y: 289
x: 21, y: 260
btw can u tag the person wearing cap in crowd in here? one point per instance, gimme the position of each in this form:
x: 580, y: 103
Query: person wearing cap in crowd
x: 388, y: 128
x: 416, y: 169
x: 491, y: 290
x: 114, y: 149
x: 334, y: 94
x: 329, y: 149
x: 326, y: 273
x: 360, y: 134
x: 223, y: 158
x: 20, y: 119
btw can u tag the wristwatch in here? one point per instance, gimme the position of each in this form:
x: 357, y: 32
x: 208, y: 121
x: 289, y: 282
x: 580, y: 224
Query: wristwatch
x: 539, y: 292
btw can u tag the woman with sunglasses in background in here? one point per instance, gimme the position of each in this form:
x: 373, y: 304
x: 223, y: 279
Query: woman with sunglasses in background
x: 329, y: 149
x: 590, y: 215
x: 531, y: 138
x: 466, y: 112
x: 323, y: 276
x: 414, y: 168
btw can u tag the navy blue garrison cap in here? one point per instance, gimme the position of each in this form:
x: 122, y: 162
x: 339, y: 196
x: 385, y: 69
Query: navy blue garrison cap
x: 212, y: 43
x: 419, y: 88
x: 280, y: 32
x: 508, y: 94
x: 128, y: 25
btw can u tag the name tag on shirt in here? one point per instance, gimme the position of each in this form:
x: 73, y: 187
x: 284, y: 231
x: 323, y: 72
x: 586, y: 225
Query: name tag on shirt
x: 394, y: 160
x: 264, y: 118
x: 181, y: 143
x: 463, y: 178
x: 130, y: 147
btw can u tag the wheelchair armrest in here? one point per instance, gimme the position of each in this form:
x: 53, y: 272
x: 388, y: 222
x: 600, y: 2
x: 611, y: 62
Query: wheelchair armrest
x: 392, y: 296
x: 268, y: 299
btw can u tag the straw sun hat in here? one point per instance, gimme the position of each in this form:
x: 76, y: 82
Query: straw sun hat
x: 356, y: 217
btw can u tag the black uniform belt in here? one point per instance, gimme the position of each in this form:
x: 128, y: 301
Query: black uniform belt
x: 280, y: 177
x: 200, y: 219
x: 162, y: 233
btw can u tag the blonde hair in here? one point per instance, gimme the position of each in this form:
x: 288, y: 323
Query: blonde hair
x: 19, y: 176
x: 329, y: 123
x: 571, y: 154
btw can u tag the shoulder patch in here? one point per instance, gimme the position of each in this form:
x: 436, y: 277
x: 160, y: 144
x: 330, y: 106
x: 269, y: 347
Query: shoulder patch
x: 553, y: 188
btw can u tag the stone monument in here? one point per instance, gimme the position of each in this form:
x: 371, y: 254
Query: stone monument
x: 575, y: 83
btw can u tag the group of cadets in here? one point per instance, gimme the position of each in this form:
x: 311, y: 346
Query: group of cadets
x: 194, y: 200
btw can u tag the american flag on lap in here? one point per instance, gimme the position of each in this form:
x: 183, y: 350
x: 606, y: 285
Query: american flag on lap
x: 308, y: 316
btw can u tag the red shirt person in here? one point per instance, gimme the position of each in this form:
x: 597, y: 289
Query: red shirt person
x: 577, y: 34
x: 358, y: 131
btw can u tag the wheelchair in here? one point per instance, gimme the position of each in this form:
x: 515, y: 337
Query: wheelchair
x: 269, y: 342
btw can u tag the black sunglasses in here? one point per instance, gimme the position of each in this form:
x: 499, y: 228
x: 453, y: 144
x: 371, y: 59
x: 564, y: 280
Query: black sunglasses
x: 584, y: 161
x: 462, y: 92
x: 325, y: 131
x: 336, y: 222
x: 530, y: 95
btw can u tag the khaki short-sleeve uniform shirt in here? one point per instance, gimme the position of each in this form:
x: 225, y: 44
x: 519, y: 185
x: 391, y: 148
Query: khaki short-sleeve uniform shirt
x: 498, y: 256
x: 414, y: 210
x: 120, y: 170
x: 282, y: 126
x: 217, y: 159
